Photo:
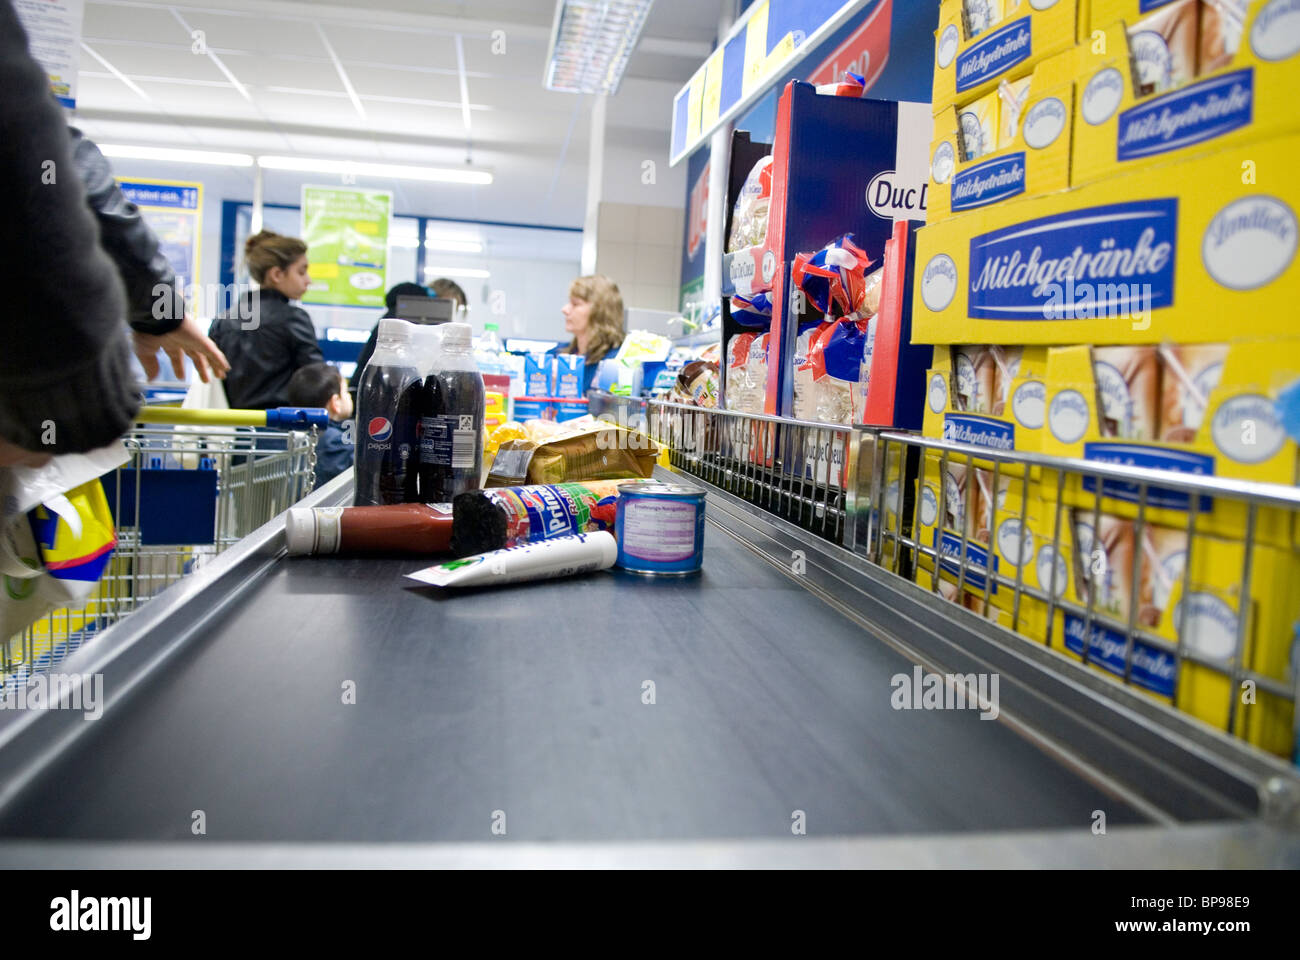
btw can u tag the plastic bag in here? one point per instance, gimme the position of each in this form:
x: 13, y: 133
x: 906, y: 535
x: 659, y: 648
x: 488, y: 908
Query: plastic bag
x: 56, y: 535
x: 749, y: 218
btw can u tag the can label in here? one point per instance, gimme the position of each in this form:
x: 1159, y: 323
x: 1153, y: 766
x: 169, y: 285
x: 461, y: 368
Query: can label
x: 662, y: 531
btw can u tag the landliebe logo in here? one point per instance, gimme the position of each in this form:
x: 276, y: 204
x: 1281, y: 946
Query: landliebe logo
x: 380, y: 429
x: 999, y: 51
x: 1191, y: 115
x: 989, y: 182
x: 1016, y: 270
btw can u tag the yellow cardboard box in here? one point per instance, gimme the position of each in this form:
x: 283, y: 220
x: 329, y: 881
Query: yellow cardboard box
x: 1031, y: 148
x: 1209, y: 623
x: 1236, y: 434
x: 1169, y: 252
x: 1246, y: 94
x: 967, y: 66
x: 988, y: 396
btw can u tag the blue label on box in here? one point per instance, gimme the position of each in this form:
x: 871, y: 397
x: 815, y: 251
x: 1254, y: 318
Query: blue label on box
x: 1153, y: 669
x: 1146, y: 6
x: 977, y: 560
x: 1201, y: 111
x: 533, y: 409
x: 980, y: 431
x: 1110, y: 261
x: 1180, y: 461
x: 570, y: 410
x: 999, y: 51
x: 989, y: 182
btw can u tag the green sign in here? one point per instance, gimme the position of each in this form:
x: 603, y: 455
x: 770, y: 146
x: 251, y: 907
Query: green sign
x: 346, y: 232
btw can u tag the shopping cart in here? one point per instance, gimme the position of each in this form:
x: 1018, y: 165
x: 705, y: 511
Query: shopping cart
x: 195, y: 483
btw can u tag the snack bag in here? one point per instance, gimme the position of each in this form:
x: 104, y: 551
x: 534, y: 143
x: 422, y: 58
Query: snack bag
x: 752, y: 311
x: 749, y: 219
x: 837, y: 358
x: 585, y: 450
x: 805, y: 399
x: 738, y: 395
x: 756, y: 372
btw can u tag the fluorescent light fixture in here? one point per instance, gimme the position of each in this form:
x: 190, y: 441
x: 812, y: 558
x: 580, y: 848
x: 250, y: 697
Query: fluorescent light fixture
x: 452, y: 245
x: 403, y: 241
x: 467, y: 273
x: 391, y: 171
x: 591, y: 42
x: 124, y: 152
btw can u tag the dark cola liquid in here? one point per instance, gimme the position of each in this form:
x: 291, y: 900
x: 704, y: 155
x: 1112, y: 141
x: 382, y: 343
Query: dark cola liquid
x: 386, y: 436
x: 452, y: 408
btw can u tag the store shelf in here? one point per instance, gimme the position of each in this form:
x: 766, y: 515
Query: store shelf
x: 701, y: 339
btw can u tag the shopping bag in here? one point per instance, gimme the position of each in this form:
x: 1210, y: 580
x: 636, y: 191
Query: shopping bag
x: 56, y: 535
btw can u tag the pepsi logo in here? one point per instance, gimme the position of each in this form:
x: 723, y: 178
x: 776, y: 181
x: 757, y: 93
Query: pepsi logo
x: 380, y: 428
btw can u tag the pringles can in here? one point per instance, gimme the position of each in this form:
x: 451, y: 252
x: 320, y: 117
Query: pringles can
x: 660, y: 529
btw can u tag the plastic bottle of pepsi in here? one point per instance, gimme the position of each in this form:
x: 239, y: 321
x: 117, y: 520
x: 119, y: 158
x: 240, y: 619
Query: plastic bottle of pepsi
x: 387, y: 437
x: 452, y: 409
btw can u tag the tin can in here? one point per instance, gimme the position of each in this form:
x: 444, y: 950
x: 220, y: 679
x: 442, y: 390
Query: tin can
x: 660, y: 528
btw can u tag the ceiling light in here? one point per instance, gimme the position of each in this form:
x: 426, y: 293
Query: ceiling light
x: 177, y: 156
x: 380, y: 170
x: 452, y: 245
x: 591, y: 42
x: 404, y: 241
x: 464, y: 272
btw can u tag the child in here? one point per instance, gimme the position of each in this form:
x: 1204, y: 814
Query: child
x: 322, y: 385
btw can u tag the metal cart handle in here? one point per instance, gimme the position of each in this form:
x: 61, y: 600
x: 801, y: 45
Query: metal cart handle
x: 279, y: 417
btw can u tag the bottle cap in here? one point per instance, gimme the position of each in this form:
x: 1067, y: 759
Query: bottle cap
x: 299, y: 531
x: 490, y: 326
x: 395, y: 329
x: 456, y: 334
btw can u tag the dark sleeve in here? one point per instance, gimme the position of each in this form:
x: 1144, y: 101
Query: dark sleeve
x: 154, y: 302
x: 302, y: 339
x: 333, y: 456
x: 364, y: 357
x: 65, y: 376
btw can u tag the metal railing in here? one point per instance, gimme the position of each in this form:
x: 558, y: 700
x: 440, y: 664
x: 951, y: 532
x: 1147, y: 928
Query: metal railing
x: 1020, y: 539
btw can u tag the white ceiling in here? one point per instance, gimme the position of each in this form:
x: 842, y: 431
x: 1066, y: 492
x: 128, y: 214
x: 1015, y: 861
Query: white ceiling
x: 404, y: 81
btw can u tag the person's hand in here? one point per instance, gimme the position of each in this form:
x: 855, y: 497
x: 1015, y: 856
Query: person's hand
x: 186, y: 340
x: 12, y: 456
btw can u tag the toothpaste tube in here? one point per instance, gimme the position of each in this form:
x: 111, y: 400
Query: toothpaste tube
x: 544, y: 560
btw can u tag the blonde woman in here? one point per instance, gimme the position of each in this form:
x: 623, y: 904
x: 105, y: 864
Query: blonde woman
x: 594, y: 315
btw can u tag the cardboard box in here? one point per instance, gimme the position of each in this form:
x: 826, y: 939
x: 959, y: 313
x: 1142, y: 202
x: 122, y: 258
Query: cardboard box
x: 1211, y: 629
x: 1030, y: 147
x: 1013, y: 416
x: 568, y: 376
x: 967, y: 66
x: 1237, y: 435
x: 1235, y: 97
x: 1162, y: 253
x: 539, y: 375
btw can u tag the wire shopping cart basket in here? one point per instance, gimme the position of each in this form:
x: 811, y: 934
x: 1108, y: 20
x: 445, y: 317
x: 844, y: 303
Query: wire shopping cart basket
x: 195, y: 482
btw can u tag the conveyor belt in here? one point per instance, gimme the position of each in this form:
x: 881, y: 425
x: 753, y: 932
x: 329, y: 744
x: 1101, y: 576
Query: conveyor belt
x: 771, y: 696
x: 529, y: 700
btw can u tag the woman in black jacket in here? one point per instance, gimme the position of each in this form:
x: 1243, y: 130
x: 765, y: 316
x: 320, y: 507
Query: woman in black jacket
x: 266, y: 338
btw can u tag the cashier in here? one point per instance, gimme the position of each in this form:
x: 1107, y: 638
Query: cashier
x: 594, y: 316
